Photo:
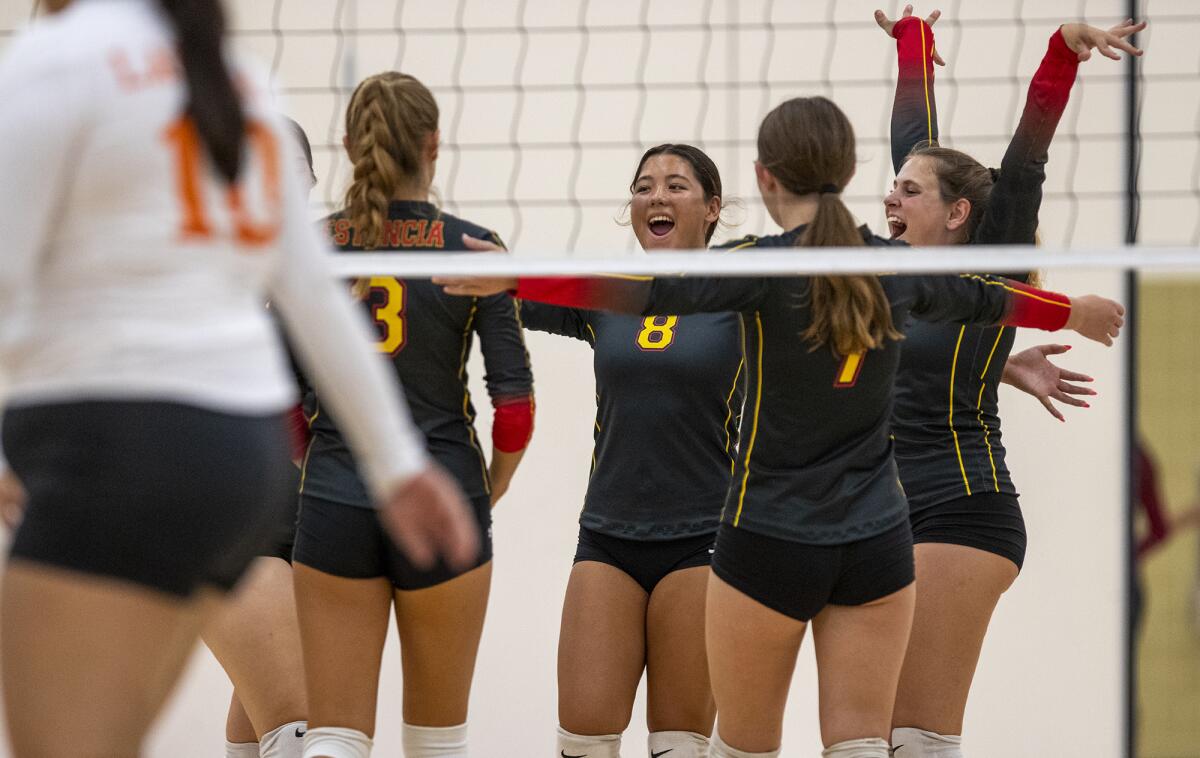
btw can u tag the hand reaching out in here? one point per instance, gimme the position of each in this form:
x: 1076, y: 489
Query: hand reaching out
x: 1032, y: 372
x: 1082, y: 38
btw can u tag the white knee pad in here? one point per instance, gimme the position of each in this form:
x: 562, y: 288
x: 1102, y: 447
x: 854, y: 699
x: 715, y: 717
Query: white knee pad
x: 590, y: 745
x: 336, y: 742
x: 435, y: 741
x: 678, y: 744
x: 285, y: 741
x: 908, y: 742
x: 870, y: 747
x: 718, y: 749
x: 241, y: 749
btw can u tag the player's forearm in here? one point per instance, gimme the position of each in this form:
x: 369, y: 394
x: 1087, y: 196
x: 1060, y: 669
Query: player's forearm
x: 600, y: 293
x: 914, y: 110
x: 1049, y: 92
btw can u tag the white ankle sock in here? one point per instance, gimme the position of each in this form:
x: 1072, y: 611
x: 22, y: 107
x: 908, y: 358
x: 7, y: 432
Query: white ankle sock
x: 336, y: 742
x: 678, y: 744
x: 589, y: 745
x: 435, y: 741
x: 869, y: 747
x: 718, y: 749
x: 286, y: 741
x: 241, y: 749
x: 910, y: 742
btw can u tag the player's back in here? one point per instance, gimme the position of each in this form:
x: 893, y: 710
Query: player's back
x: 150, y: 271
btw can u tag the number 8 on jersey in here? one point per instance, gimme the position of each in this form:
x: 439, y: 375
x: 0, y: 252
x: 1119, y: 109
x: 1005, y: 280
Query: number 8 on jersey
x: 657, y: 333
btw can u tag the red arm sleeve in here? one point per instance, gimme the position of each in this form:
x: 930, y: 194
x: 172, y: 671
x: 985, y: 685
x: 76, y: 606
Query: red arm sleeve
x: 914, y: 110
x: 512, y: 423
x: 617, y: 294
x: 1036, y: 308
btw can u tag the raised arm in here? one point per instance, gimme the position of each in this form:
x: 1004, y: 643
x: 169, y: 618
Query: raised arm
x: 914, y: 110
x: 1012, y: 214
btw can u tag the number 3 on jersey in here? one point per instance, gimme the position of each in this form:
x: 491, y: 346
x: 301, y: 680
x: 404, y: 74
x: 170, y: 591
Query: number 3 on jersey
x: 658, y: 332
x: 389, y: 302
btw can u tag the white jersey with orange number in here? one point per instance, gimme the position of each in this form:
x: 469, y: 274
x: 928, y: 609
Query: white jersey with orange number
x: 129, y: 270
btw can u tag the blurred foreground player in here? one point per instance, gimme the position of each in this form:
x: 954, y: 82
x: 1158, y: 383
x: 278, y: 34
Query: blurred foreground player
x: 256, y: 638
x: 147, y: 214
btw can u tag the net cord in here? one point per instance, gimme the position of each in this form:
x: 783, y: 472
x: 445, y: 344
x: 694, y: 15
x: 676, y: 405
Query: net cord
x: 713, y: 263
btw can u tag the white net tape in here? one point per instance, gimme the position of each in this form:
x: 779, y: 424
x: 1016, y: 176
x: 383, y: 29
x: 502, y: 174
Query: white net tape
x: 758, y: 263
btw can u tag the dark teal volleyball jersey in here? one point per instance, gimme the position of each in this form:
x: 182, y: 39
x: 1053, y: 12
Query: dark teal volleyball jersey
x: 815, y: 461
x: 668, y: 394
x: 947, y: 418
x: 427, y: 336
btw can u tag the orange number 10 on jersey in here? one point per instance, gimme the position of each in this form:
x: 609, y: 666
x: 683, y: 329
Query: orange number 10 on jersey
x: 184, y: 139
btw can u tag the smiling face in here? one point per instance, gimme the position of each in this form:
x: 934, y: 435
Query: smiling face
x: 916, y: 211
x: 668, y: 208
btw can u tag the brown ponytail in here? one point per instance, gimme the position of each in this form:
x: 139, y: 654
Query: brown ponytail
x: 213, y: 103
x: 807, y: 144
x: 387, y: 123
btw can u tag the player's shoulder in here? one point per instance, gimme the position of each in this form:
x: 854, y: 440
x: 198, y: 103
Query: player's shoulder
x: 50, y: 45
x: 456, y: 227
x: 741, y: 243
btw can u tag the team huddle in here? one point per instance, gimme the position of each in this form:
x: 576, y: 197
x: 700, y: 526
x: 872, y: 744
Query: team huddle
x: 823, y: 451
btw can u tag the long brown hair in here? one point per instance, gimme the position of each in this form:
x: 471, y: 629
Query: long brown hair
x: 212, y: 101
x: 387, y: 123
x: 807, y: 144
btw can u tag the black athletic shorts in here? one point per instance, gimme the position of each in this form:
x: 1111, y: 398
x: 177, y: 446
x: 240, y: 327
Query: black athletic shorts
x: 350, y: 542
x: 646, y: 561
x: 799, y: 580
x: 283, y: 534
x: 165, y: 495
x: 990, y: 521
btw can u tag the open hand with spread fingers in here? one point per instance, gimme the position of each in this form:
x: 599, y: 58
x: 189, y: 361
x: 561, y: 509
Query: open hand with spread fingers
x: 1032, y: 372
x: 1083, y: 38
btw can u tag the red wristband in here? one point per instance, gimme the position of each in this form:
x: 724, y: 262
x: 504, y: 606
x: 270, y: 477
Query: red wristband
x: 512, y: 423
